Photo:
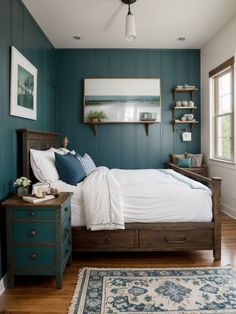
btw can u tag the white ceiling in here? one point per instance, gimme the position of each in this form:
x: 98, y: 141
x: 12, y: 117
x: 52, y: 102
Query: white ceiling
x: 101, y: 23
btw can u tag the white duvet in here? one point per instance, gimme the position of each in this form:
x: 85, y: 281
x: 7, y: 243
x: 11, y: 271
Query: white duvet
x: 107, y: 199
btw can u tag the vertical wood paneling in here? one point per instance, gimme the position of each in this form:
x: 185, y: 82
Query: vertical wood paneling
x: 114, y: 146
x: 154, y: 147
x: 119, y: 145
x: 167, y: 82
x: 18, y: 25
x: 18, y: 28
x: 127, y: 155
x: 5, y: 42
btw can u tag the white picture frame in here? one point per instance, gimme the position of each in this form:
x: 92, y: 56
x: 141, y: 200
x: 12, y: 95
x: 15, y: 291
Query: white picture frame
x: 23, y: 94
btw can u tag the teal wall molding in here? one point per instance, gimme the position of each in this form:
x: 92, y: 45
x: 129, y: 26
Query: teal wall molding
x: 18, y: 28
x: 119, y: 145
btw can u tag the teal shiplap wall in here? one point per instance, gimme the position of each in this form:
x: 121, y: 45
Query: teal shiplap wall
x: 119, y: 145
x: 18, y: 28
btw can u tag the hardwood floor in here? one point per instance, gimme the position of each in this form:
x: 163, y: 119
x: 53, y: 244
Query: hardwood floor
x: 39, y: 295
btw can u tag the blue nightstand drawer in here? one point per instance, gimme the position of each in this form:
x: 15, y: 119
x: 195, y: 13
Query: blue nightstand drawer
x: 33, y: 232
x: 34, y: 256
x: 33, y: 213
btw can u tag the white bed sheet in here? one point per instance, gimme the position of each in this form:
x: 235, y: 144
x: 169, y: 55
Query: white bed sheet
x: 151, y: 195
x: 77, y: 214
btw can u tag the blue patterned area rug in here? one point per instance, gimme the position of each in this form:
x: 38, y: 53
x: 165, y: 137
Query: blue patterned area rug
x: 172, y: 291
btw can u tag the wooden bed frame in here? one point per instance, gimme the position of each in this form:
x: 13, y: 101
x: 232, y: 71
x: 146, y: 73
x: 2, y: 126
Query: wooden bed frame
x: 138, y: 236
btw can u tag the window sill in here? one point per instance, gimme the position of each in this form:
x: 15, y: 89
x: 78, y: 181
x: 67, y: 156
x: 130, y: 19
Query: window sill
x: 222, y: 163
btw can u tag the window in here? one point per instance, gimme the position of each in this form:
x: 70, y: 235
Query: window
x: 223, y: 111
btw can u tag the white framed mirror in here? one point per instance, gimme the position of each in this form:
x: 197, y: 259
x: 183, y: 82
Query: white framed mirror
x: 123, y: 100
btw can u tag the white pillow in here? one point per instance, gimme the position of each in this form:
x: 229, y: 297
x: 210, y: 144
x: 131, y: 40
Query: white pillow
x: 43, y: 165
x: 64, y: 151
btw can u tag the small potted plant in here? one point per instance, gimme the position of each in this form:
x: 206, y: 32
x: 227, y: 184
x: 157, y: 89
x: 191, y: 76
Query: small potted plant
x: 96, y: 116
x: 22, y: 185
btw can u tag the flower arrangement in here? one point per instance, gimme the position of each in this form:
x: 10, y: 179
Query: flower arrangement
x: 22, y: 185
x: 22, y: 181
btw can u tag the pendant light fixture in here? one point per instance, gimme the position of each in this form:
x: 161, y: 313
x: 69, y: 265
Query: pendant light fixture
x: 130, y: 32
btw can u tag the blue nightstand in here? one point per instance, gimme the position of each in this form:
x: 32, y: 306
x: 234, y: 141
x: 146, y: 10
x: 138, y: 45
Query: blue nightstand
x: 38, y: 237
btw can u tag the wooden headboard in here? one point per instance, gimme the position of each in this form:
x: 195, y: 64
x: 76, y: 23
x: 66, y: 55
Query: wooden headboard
x: 34, y: 139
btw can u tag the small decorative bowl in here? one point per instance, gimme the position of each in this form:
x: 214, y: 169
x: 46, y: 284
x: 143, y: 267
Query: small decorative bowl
x: 189, y: 117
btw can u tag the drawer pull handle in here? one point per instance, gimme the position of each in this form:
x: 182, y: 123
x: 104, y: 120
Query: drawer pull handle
x: 33, y: 232
x: 176, y: 241
x: 105, y: 241
x: 32, y: 213
x: 34, y: 256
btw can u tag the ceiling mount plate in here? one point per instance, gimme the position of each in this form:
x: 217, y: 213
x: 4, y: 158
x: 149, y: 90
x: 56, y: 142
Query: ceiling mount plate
x: 128, y: 1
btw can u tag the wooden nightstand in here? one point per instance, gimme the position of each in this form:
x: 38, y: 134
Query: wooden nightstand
x: 38, y: 237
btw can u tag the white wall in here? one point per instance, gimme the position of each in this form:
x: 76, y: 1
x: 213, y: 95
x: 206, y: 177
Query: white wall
x: 220, y: 48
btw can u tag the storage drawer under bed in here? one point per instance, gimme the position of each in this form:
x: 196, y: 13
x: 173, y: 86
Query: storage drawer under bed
x: 172, y: 239
x: 103, y: 240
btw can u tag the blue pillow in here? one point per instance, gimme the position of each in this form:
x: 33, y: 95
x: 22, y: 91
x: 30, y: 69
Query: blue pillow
x: 69, y: 168
x: 87, y: 163
x: 184, y: 162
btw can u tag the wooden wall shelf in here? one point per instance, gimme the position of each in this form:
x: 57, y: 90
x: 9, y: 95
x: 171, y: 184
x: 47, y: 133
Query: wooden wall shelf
x: 183, y: 90
x: 174, y: 109
x: 175, y: 91
x: 175, y: 122
x: 145, y: 123
x: 184, y: 108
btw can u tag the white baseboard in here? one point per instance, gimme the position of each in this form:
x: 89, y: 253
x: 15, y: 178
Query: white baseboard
x: 228, y: 210
x: 3, y: 284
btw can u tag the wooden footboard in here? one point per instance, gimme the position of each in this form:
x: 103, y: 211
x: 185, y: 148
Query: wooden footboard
x: 215, y: 185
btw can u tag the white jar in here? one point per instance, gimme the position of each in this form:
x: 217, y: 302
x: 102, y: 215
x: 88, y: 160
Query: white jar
x: 190, y: 103
x: 178, y: 103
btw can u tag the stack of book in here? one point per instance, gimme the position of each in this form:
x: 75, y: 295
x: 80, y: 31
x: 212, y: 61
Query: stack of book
x: 33, y: 199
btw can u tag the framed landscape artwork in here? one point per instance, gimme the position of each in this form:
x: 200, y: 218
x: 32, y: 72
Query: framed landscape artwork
x: 23, y: 101
x: 123, y: 100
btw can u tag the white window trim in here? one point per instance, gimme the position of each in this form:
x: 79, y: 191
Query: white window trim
x: 234, y: 106
x: 222, y: 163
x: 212, y: 159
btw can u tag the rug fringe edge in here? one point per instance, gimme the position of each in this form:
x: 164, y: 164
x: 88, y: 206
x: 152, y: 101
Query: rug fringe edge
x: 74, y: 300
x: 160, y: 268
